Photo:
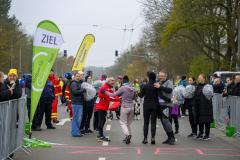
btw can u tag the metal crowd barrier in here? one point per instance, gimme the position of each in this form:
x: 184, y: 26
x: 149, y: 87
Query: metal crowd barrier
x: 12, y: 126
x: 220, y: 111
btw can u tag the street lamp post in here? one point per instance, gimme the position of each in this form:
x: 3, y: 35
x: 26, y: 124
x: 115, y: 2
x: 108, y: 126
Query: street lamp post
x: 62, y: 69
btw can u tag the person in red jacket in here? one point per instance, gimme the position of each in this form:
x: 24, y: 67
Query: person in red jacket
x: 58, y: 90
x: 68, y: 98
x: 102, y: 104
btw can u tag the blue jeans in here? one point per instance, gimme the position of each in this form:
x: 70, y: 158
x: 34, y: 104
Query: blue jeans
x: 77, y: 119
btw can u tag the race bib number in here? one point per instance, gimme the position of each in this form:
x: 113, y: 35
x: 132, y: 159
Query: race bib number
x: 98, y: 100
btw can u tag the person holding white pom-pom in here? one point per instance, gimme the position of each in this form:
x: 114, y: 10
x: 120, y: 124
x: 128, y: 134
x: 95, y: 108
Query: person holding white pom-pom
x: 203, y: 108
x: 189, y: 106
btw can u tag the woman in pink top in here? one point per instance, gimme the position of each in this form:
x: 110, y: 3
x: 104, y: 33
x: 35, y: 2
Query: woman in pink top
x: 127, y: 91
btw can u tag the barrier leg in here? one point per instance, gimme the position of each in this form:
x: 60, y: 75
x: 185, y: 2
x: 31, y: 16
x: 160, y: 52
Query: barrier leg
x: 9, y: 158
x: 25, y: 151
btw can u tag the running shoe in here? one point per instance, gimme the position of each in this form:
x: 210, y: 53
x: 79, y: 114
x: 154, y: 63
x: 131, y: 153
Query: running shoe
x: 200, y: 136
x: 103, y: 139
x: 206, y: 138
x: 153, y: 141
x: 145, y: 141
x: 128, y: 139
x: 90, y: 131
x: 125, y: 139
x: 192, y: 135
x: 176, y: 133
x: 172, y: 140
x: 83, y: 132
x: 166, y: 142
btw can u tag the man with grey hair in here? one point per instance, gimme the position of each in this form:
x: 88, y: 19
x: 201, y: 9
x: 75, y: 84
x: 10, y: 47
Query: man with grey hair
x: 166, y: 87
x: 102, y: 104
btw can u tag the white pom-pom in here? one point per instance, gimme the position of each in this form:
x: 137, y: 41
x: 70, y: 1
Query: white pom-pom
x: 189, y: 91
x: 178, y: 93
x: 90, y: 93
x: 98, y: 84
x: 208, y: 91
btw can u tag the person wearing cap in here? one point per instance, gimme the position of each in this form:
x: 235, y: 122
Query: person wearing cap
x: 58, y: 90
x: 183, y: 81
x: 65, y: 83
x: 5, y: 93
x: 13, y: 79
x: 184, y: 84
x: 119, y: 83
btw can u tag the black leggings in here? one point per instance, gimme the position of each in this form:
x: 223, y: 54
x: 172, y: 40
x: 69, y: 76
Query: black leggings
x: 207, y: 129
x: 101, y: 120
x: 175, y: 119
x: 95, y: 120
x: 192, y: 123
x: 89, y: 112
x: 153, y: 112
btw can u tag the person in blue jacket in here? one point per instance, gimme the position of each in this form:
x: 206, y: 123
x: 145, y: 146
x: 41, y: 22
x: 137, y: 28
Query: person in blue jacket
x: 183, y: 81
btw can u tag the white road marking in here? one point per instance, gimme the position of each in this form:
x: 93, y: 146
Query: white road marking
x: 108, y: 127
x: 102, y: 158
x: 63, y: 121
x: 105, y: 144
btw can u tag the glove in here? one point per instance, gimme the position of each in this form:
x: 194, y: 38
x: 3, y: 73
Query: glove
x: 138, y: 104
x: 61, y: 98
x: 68, y: 100
x: 103, y: 90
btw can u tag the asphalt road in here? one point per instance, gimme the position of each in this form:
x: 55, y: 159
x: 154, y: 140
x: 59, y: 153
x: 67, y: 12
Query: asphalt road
x: 88, y: 148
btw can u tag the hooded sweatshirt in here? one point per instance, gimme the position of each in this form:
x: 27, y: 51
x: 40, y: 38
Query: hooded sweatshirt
x: 128, y: 95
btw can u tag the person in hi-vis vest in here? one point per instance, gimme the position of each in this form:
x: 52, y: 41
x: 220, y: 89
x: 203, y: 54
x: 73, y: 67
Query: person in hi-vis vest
x: 58, y: 90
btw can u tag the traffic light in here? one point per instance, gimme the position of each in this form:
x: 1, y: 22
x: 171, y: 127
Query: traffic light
x: 65, y: 53
x: 91, y: 74
x: 116, y: 53
x: 88, y: 72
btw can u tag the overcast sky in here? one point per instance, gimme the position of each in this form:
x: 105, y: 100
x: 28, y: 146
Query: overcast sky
x: 75, y: 19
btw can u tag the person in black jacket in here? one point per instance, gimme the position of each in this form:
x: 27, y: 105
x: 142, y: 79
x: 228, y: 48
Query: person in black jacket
x: 150, y: 107
x: 203, y: 109
x: 77, y: 101
x: 216, y: 86
x: 45, y: 105
x: 230, y: 87
x: 189, y: 105
x: 237, y: 83
x: 13, y: 78
x: 5, y: 93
